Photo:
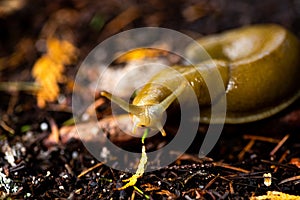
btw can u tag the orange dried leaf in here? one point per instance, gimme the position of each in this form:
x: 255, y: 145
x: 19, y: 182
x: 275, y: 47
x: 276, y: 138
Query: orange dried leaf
x: 61, y: 51
x: 140, y: 54
x: 48, y: 70
x: 295, y: 161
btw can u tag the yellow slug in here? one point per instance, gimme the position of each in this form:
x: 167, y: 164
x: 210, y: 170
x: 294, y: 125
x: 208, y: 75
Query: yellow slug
x: 259, y: 66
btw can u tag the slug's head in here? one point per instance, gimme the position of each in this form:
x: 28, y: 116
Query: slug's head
x: 143, y: 116
x: 147, y: 115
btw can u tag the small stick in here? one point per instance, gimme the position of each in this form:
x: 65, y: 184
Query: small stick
x: 287, y: 166
x: 210, y: 182
x: 12, y: 103
x: 279, y: 145
x: 261, y: 138
x: 6, y: 127
x: 89, y: 169
x: 133, y: 195
x: 54, y: 135
x: 97, y: 103
x: 294, y: 178
x: 281, y: 159
x: 231, y: 189
x: 218, y: 164
x: 246, y: 149
x: 19, y: 86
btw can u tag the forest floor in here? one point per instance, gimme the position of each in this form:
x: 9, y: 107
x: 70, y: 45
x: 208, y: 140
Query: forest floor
x: 42, y: 157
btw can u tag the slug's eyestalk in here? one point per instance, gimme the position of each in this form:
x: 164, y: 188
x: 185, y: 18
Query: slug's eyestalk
x: 147, y: 115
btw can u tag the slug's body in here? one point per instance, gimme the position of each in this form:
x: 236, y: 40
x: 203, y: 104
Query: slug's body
x: 259, y: 66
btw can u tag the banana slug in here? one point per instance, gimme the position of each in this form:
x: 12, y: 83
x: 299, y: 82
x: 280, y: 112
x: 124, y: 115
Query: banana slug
x: 259, y: 66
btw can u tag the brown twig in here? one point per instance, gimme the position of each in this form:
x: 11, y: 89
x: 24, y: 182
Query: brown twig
x: 92, y: 108
x: 294, y: 178
x: 12, y: 102
x: 89, y: 169
x: 279, y: 145
x: 120, y: 21
x: 261, y: 138
x: 6, y: 127
x: 231, y: 189
x: 246, y: 149
x: 210, y: 182
x: 282, y: 159
x: 53, y: 138
x: 227, y: 166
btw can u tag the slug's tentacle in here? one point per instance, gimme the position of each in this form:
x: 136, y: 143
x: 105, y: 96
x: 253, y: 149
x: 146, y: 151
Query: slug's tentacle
x: 123, y: 104
x: 147, y: 115
x: 171, y: 98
